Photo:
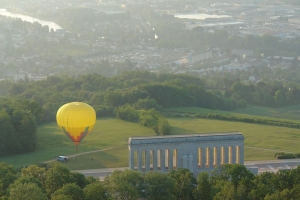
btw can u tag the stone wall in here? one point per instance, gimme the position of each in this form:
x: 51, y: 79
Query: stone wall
x: 199, y: 152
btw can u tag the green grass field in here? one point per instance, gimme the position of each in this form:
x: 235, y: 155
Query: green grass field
x: 284, y: 113
x: 52, y: 142
x: 111, y: 133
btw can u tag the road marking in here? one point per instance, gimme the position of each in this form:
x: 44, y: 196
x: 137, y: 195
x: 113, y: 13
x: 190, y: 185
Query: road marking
x: 272, y: 168
x: 287, y: 166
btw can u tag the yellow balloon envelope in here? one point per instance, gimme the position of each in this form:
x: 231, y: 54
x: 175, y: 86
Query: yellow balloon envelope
x: 76, y: 119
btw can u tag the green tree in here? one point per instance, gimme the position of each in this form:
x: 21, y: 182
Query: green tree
x: 159, y: 186
x: 238, y: 175
x: 7, y: 133
x: 284, y: 194
x: 79, y: 179
x: 70, y: 190
x: 226, y: 192
x: 90, y: 179
x: 56, y: 177
x: 185, y: 183
x: 27, y: 134
x: 128, y: 113
x: 95, y: 191
x: 149, y: 118
x: 8, y: 175
x: 263, y: 184
x: 27, y: 179
x: 204, y: 187
x: 147, y: 104
x: 61, y: 197
x: 163, y: 127
x: 113, y: 98
x: 125, y: 184
x: 34, y: 171
x: 26, y: 191
x: 279, y: 98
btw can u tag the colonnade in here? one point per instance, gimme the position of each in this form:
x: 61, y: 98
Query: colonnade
x: 194, y: 152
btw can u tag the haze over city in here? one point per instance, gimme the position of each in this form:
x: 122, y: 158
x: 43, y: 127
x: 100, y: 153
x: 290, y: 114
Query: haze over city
x: 149, y: 99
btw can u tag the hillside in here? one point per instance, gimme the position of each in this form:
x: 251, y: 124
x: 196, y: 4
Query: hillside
x: 261, y: 142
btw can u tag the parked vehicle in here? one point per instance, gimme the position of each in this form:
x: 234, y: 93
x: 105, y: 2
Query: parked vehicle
x: 62, y: 158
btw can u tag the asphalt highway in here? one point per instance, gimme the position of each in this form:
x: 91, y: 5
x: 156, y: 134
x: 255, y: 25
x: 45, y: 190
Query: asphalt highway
x: 263, y: 166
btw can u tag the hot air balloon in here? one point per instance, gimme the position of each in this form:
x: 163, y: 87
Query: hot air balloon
x: 76, y: 119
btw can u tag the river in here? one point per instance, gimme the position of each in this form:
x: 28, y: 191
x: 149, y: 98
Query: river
x: 199, y: 16
x: 26, y: 18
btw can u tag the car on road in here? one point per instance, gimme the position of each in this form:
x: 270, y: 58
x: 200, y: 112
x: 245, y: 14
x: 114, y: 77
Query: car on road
x: 62, y: 158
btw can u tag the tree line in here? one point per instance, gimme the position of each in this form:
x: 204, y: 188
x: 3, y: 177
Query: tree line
x: 107, y: 94
x: 56, y: 182
x: 18, y: 126
x: 274, y: 94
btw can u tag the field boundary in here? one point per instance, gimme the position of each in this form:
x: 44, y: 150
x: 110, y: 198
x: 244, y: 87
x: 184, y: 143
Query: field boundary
x: 88, y: 152
x: 252, y: 119
x: 267, y: 149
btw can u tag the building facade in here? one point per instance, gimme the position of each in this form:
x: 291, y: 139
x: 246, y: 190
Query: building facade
x: 199, y: 152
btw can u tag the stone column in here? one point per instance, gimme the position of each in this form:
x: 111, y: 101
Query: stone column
x: 159, y: 159
x: 226, y: 152
x: 154, y: 159
x: 131, y: 159
x: 170, y: 152
x: 175, y: 159
x: 184, y: 161
x: 211, y: 157
x: 203, y: 157
x: 163, y: 160
x: 191, y: 158
x: 241, y: 154
x: 233, y: 154
x: 147, y: 160
x: 140, y: 163
x: 219, y: 154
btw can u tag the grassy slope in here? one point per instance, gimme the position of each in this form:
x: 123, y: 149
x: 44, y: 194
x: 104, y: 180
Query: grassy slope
x: 114, y: 133
x: 52, y: 142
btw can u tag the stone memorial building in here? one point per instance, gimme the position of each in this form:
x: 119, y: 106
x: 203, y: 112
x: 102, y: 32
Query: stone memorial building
x: 199, y: 152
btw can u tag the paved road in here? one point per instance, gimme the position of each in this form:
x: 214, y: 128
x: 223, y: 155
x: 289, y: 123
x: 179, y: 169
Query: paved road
x: 273, y: 165
x: 99, y: 173
x: 263, y: 166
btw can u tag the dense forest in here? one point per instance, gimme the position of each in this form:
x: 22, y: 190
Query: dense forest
x: 146, y: 90
x: 143, y: 90
x: 56, y: 182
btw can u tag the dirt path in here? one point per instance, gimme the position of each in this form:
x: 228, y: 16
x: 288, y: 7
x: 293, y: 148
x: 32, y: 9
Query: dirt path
x: 99, y: 150
x: 88, y: 152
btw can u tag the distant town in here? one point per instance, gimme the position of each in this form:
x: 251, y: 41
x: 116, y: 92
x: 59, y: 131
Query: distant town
x: 123, y: 38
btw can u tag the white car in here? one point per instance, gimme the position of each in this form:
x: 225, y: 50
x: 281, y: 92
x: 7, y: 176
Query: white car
x: 62, y: 158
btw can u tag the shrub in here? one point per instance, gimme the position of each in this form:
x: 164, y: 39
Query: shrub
x: 283, y: 155
x: 128, y: 113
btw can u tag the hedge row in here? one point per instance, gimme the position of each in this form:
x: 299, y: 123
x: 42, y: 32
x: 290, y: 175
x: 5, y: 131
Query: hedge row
x: 282, y: 155
x: 256, y: 120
